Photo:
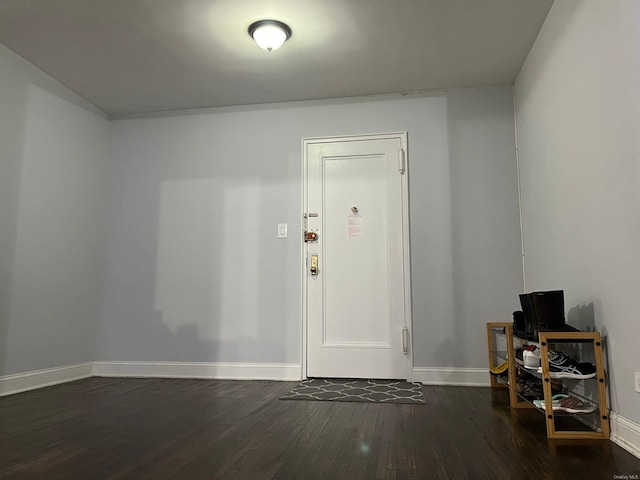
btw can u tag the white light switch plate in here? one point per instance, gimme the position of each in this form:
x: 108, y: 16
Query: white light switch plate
x: 282, y: 230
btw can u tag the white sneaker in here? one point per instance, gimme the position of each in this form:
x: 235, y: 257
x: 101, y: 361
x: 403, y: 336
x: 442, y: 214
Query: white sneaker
x: 531, y: 359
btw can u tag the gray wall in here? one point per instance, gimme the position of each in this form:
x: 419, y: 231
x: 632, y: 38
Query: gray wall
x: 578, y: 123
x: 195, y: 272
x: 53, y: 148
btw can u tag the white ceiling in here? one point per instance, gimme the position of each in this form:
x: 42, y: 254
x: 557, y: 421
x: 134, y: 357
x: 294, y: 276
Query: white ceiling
x: 133, y: 56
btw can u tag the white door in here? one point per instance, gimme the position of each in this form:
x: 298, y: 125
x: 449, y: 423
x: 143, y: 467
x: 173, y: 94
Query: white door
x: 357, y: 277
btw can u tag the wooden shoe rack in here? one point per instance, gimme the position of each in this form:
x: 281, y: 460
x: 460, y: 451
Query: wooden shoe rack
x: 587, y: 346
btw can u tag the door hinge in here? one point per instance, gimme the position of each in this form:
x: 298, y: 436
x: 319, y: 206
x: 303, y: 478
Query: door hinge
x: 405, y: 340
x: 402, y: 161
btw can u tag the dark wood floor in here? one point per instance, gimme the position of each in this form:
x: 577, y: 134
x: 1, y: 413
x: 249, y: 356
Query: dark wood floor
x: 102, y: 428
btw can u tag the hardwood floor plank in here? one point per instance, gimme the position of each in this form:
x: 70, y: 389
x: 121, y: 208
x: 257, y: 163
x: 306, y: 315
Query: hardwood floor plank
x: 104, y: 428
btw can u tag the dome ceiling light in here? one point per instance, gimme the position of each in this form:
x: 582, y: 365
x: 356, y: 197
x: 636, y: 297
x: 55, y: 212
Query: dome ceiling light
x: 269, y: 34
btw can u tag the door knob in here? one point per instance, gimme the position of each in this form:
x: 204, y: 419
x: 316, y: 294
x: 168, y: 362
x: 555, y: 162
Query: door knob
x: 310, y: 236
x: 314, y: 265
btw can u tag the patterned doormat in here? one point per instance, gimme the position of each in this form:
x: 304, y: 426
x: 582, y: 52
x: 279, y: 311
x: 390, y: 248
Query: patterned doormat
x: 344, y: 390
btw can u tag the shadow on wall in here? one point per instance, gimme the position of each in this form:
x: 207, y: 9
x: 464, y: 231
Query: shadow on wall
x: 582, y: 317
x: 179, y: 344
x: 201, y: 284
x: 207, y: 279
x: 157, y: 341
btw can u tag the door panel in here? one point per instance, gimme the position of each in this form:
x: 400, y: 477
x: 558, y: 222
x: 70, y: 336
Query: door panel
x: 356, y: 302
x: 356, y: 270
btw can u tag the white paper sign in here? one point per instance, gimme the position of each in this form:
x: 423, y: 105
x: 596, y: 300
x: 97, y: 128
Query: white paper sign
x: 354, y: 226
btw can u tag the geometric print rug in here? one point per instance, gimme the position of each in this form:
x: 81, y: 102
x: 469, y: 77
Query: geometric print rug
x: 349, y: 390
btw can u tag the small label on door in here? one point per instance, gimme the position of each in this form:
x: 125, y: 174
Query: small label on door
x: 354, y: 225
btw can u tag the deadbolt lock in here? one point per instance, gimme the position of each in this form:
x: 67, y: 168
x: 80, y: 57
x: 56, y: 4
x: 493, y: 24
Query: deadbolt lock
x: 310, y: 236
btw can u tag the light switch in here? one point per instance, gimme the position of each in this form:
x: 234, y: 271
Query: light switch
x: 282, y: 230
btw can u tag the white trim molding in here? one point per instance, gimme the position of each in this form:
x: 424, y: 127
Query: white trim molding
x: 231, y: 371
x: 625, y: 433
x: 22, y: 382
x: 468, y: 377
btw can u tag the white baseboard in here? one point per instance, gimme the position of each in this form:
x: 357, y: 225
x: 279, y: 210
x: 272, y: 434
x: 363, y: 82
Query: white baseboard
x: 468, y: 377
x: 625, y: 432
x: 21, y: 382
x: 232, y: 371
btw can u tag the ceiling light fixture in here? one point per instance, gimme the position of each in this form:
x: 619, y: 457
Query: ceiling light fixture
x: 269, y: 34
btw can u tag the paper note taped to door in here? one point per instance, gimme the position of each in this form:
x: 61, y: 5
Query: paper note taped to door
x: 354, y: 225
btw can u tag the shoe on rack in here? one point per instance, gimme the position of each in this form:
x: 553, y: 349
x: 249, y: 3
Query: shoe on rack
x: 499, y: 370
x: 555, y: 401
x: 531, y: 358
x: 560, y: 359
x: 557, y: 386
x: 574, y: 405
x: 529, y: 388
x: 587, y: 367
x: 532, y: 392
x: 557, y: 358
x: 562, y: 366
x: 519, y: 351
x: 567, y: 404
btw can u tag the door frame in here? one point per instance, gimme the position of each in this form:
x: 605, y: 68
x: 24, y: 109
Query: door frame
x: 402, y: 136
